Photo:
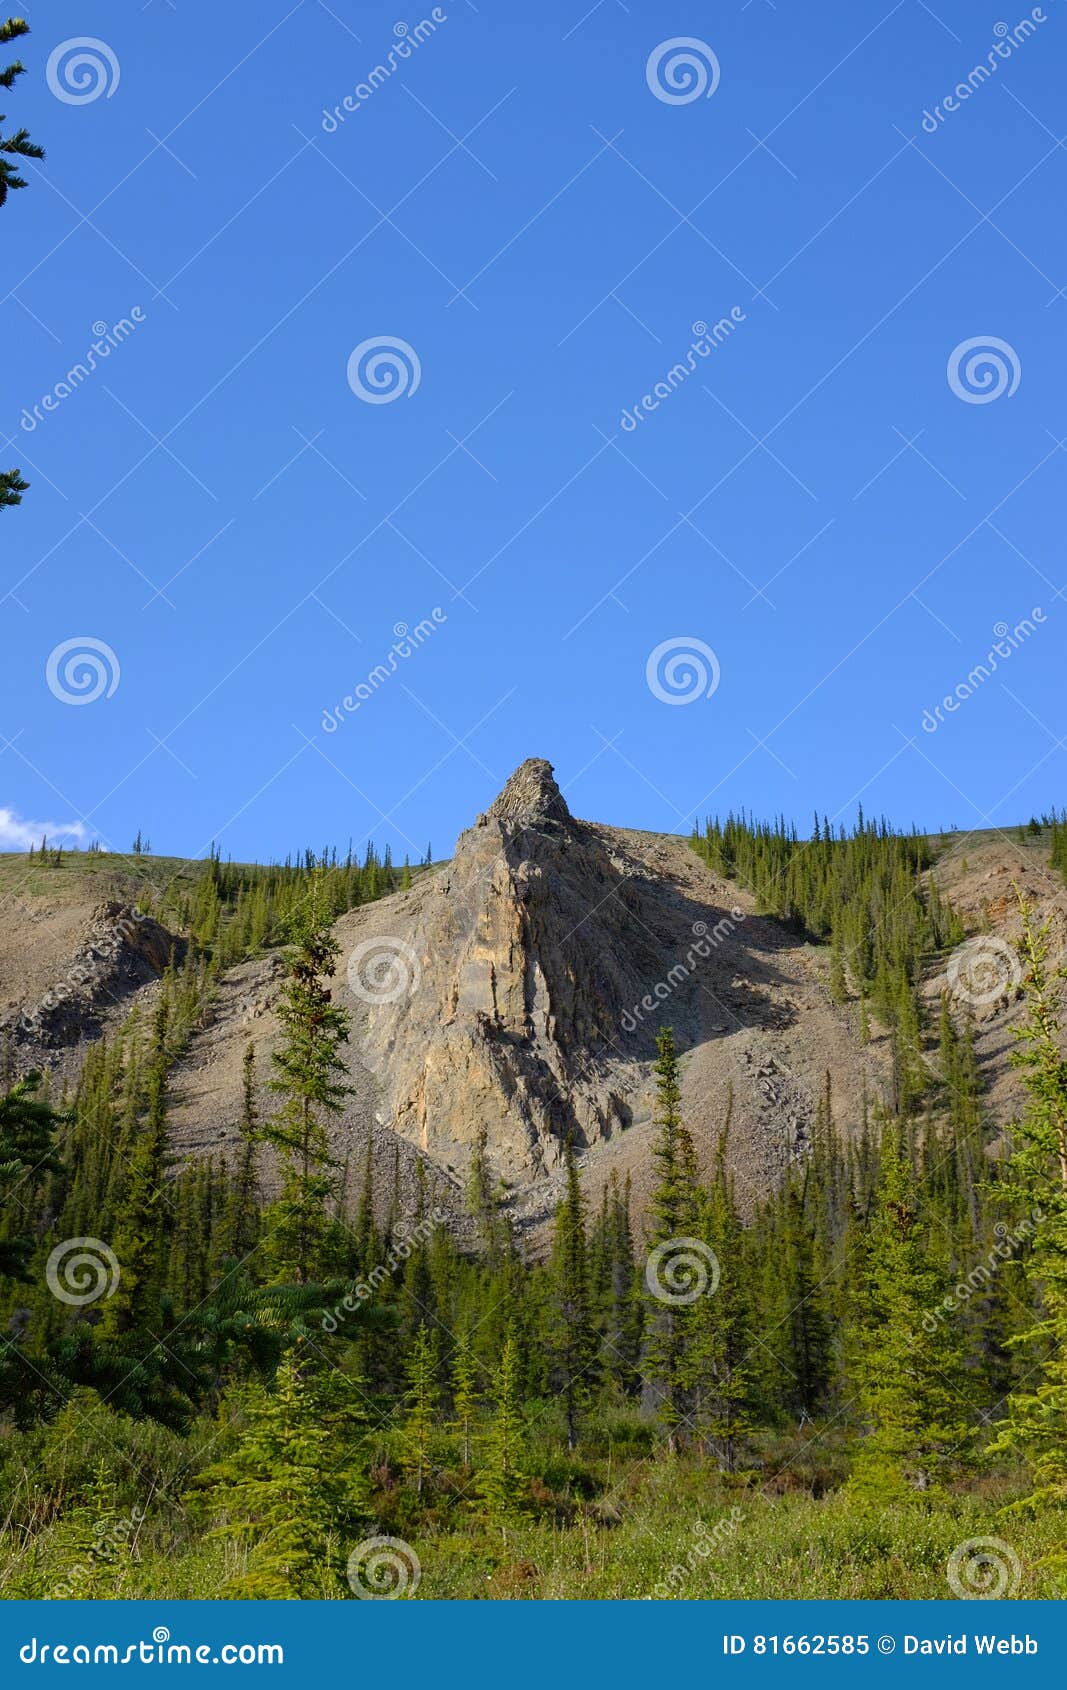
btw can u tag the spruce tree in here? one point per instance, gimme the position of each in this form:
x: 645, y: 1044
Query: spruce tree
x: 465, y: 1394
x: 142, y: 1208
x: 501, y: 1481
x: 809, y: 1346
x: 306, y: 1070
x: 242, y: 1217
x: 483, y: 1201
x: 674, y: 1209
x: 1036, y: 1426
x: 368, y: 1243
x: 14, y: 146
x: 838, y: 980
x: 909, y: 1368
x: 28, y: 1127
x: 572, y: 1336
x: 12, y: 487
x: 418, y: 1300
x: 717, y: 1368
x: 18, y: 144
x: 617, y: 1290
x: 420, y: 1416
x: 293, y: 1490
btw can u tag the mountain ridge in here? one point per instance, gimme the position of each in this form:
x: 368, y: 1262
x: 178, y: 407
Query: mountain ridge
x: 514, y: 992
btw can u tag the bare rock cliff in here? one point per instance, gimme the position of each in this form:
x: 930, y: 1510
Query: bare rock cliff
x: 120, y: 952
x: 522, y: 957
x: 518, y: 992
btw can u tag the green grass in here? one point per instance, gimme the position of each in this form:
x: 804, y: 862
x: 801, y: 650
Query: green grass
x: 680, y: 1535
x: 683, y: 1536
x: 92, y: 875
x: 613, y: 1525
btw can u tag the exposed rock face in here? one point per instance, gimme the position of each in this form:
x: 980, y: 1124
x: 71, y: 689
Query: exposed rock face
x: 984, y: 877
x: 120, y: 952
x: 205, y: 1099
x: 505, y: 995
x: 517, y: 991
x: 530, y: 799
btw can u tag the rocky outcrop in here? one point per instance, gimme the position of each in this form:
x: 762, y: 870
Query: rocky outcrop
x: 120, y: 952
x: 987, y: 878
x: 518, y: 992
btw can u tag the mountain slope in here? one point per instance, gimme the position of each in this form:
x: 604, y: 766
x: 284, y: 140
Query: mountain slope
x: 516, y: 993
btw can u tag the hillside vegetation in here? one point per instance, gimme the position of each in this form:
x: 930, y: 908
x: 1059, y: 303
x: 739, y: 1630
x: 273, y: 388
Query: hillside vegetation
x: 204, y: 1391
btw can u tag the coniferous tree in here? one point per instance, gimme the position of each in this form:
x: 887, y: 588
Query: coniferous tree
x: 1037, y: 1420
x: 293, y: 1491
x: 306, y: 1071
x: 717, y: 1367
x: 483, y: 1199
x: 572, y: 1336
x: 670, y: 1316
x: 142, y: 1210
x: 28, y: 1127
x: 368, y: 1244
x: 420, y: 1417
x: 501, y: 1481
x: 807, y: 1329
x: 838, y: 982
x: 242, y: 1220
x: 616, y: 1290
x: 418, y: 1299
x: 18, y: 144
x: 12, y: 487
x: 466, y: 1396
x: 909, y: 1365
x: 14, y: 146
x: 910, y: 1078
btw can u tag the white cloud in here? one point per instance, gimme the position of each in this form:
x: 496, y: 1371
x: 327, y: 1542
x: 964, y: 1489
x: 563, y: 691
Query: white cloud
x: 17, y: 833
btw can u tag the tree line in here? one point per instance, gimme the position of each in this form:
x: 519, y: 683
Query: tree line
x: 326, y: 1368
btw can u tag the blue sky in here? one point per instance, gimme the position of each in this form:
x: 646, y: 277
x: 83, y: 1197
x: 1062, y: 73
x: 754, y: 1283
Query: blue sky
x: 816, y: 503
